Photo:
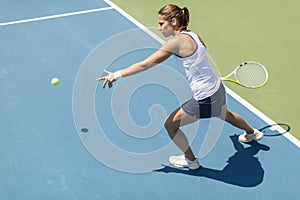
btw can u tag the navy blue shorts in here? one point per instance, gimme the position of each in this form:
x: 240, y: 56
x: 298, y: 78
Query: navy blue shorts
x: 208, y: 107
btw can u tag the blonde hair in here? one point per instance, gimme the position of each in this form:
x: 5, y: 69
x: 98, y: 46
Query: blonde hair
x: 182, y: 15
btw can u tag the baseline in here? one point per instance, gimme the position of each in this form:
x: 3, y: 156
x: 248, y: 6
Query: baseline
x: 55, y: 16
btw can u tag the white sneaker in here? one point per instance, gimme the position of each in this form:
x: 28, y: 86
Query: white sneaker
x: 256, y: 135
x: 183, y: 162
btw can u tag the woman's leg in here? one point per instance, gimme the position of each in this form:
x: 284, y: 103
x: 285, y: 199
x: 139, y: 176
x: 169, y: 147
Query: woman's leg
x: 236, y: 120
x: 173, y: 123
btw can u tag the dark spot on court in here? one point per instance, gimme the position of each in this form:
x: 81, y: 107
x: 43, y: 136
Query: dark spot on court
x: 84, y: 130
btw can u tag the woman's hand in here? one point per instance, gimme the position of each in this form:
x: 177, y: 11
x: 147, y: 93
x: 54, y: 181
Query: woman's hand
x: 109, y: 79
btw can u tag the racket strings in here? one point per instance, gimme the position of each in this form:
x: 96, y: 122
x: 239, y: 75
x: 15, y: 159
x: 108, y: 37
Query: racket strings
x: 251, y: 75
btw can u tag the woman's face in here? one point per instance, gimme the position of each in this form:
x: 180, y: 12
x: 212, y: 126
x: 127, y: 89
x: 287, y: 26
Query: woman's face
x: 165, y: 27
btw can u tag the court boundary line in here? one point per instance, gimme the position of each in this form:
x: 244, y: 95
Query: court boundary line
x: 55, y: 16
x: 261, y: 115
x: 237, y: 97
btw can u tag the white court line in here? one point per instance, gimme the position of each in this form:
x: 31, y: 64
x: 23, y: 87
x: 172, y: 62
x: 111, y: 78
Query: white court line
x: 55, y: 16
x: 269, y: 121
x: 289, y: 136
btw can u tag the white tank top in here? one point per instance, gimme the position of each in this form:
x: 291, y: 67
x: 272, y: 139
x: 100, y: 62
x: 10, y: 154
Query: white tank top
x: 202, y: 80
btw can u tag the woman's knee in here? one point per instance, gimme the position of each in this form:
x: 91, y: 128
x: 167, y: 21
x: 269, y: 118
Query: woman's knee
x: 171, y: 119
x: 170, y: 125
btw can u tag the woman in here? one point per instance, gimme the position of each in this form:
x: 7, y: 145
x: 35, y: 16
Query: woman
x: 209, y: 99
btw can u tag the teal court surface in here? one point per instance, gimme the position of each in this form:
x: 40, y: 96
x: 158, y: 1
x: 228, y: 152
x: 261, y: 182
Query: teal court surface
x: 78, y: 141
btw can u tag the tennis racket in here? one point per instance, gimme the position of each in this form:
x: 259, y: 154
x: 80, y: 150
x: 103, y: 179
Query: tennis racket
x: 248, y: 74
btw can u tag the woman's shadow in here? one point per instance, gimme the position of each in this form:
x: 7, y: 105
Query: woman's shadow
x: 243, y: 168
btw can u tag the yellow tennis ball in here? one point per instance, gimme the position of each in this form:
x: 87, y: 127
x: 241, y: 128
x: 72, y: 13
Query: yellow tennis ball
x: 55, y: 81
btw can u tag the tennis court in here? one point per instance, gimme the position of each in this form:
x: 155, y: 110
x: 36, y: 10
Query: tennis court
x: 78, y: 141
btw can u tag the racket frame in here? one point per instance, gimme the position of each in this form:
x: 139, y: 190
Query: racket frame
x: 235, y: 80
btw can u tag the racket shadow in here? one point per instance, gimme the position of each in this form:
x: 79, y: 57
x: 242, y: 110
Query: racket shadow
x: 274, y: 130
x: 243, y: 168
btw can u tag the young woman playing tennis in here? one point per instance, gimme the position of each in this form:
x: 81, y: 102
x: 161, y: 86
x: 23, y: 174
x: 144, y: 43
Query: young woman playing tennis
x: 208, y: 99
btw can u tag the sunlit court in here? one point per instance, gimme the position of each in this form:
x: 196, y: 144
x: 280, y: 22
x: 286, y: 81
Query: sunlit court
x: 64, y: 136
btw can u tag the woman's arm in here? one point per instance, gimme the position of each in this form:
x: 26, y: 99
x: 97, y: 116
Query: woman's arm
x: 154, y: 59
x: 157, y: 57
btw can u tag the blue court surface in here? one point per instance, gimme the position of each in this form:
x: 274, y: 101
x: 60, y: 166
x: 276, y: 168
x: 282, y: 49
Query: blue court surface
x: 78, y: 141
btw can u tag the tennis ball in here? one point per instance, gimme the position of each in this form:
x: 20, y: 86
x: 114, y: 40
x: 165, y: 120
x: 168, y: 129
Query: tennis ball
x: 55, y: 81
